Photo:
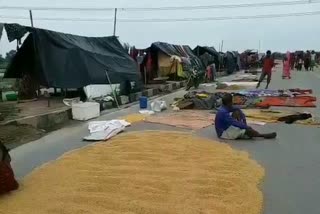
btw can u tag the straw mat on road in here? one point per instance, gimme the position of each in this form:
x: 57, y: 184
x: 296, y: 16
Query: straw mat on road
x: 134, y: 118
x: 143, y: 172
x: 190, y: 119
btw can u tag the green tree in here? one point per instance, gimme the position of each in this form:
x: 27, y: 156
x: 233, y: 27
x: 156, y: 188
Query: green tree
x: 2, y: 62
x: 10, y: 55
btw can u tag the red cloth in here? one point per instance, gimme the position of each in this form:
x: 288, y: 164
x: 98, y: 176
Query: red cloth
x: 209, y: 73
x: 7, y: 180
x: 300, y: 101
x: 268, y: 64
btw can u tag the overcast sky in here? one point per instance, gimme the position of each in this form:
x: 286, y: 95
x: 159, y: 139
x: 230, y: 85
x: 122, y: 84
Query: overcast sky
x: 277, y: 34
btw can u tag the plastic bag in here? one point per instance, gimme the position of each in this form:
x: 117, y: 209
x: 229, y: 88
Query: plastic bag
x: 158, y: 105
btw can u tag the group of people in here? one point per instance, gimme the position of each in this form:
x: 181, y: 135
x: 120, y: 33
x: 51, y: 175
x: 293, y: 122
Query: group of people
x: 306, y: 60
x: 290, y: 62
x: 230, y: 122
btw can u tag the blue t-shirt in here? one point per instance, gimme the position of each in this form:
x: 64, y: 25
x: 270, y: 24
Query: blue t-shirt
x: 224, y: 120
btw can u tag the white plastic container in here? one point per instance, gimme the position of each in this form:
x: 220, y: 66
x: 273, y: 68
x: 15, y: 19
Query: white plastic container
x: 85, y: 111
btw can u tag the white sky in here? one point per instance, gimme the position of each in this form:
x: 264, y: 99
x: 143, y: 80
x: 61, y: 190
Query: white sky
x: 278, y: 34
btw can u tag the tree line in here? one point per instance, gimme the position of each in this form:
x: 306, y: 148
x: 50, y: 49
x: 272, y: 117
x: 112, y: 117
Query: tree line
x: 5, y: 60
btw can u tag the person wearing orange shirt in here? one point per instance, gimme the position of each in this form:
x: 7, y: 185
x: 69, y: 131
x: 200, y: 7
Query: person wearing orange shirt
x: 268, y: 64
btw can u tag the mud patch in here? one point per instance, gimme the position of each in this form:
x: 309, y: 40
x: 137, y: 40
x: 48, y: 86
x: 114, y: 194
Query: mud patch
x: 15, y: 135
x: 8, y: 111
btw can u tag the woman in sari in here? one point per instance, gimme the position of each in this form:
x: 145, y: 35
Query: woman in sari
x: 7, y: 181
x: 286, y: 67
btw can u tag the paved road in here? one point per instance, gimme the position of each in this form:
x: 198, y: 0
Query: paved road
x: 292, y: 162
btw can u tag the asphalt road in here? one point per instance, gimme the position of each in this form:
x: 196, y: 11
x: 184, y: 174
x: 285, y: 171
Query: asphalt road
x: 292, y: 161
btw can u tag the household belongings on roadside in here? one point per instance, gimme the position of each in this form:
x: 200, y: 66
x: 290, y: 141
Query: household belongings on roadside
x: 158, y: 105
x: 8, y: 182
x: 276, y: 93
x: 104, y: 130
x: 70, y: 102
x: 183, y: 119
x: 168, y: 60
x: 206, y: 101
x: 253, y: 71
x: 274, y: 116
x: 290, y: 97
x: 85, y: 111
x: 223, y: 86
x: 61, y: 57
x: 249, y: 59
x: 247, y: 99
x: 246, y: 78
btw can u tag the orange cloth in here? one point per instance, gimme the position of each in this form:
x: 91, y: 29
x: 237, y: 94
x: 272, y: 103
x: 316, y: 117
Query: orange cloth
x: 301, y: 101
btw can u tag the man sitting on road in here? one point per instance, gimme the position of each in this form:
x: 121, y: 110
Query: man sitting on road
x: 230, y: 123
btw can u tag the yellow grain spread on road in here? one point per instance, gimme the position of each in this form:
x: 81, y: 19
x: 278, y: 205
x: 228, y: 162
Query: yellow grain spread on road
x: 150, y: 172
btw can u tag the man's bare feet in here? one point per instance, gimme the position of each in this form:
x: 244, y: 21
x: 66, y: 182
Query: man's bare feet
x: 270, y: 136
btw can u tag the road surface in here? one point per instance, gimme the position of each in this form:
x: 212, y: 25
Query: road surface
x: 292, y: 161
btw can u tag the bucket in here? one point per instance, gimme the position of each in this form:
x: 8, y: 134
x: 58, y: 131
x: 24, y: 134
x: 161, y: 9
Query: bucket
x: 143, y: 102
x: 12, y: 97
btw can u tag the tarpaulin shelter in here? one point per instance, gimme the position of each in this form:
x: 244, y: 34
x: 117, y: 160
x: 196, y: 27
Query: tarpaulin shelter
x: 62, y: 60
x: 1, y: 29
x: 237, y: 59
x: 230, y: 62
x: 213, y: 56
x: 249, y: 59
x: 170, y: 59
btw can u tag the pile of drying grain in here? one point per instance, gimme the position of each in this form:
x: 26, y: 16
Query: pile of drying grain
x: 143, y: 172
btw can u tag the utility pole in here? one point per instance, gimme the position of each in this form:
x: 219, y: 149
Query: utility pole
x: 222, y: 46
x: 259, y: 46
x: 31, y: 18
x: 115, y: 21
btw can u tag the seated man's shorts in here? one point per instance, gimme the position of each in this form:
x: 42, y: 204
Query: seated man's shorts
x: 233, y: 133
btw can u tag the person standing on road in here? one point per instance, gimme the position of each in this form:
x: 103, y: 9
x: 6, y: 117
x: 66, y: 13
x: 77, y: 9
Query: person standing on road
x: 300, y: 63
x: 286, y: 68
x: 307, y: 61
x: 313, y: 60
x: 268, y: 64
x: 292, y: 60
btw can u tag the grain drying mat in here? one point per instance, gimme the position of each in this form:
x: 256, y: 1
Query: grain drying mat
x: 143, y: 172
x: 188, y: 119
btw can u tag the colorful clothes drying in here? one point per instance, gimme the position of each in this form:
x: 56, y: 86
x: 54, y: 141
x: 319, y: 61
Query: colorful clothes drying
x: 301, y: 101
x: 275, y: 93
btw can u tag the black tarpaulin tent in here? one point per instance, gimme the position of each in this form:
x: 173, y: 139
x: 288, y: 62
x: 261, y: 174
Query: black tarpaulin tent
x: 177, y: 50
x: 200, y: 51
x: 69, y: 61
x: 230, y: 62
